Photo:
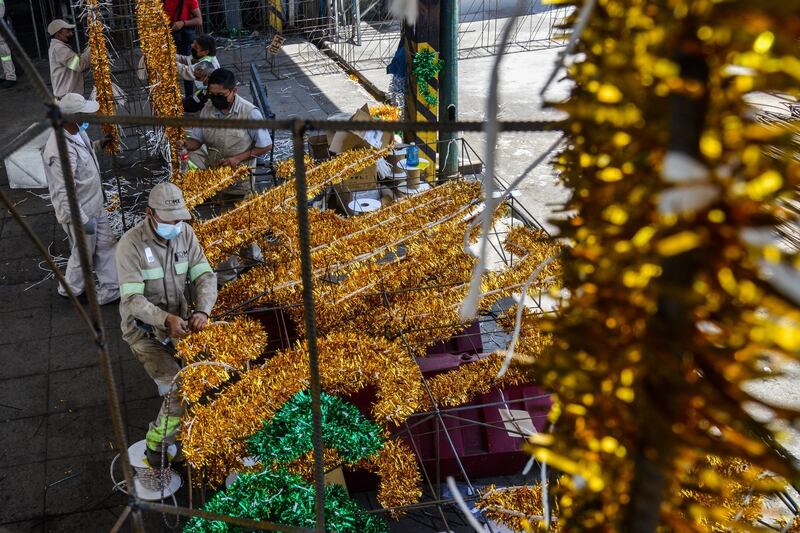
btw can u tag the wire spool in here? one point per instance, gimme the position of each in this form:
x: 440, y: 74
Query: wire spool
x: 414, y: 174
x: 363, y: 205
x: 153, y: 484
x: 404, y: 190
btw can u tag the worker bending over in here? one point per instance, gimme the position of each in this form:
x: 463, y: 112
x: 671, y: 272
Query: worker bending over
x: 168, y: 290
x: 66, y: 66
x: 213, y: 147
x: 91, y: 202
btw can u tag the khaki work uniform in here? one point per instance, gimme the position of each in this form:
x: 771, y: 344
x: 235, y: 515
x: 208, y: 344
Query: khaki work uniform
x: 220, y: 144
x: 153, y: 283
x: 5, y: 52
x: 91, y: 201
x: 67, y: 68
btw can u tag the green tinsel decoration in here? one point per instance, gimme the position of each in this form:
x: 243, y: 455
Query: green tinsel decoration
x: 288, y: 435
x: 278, y: 496
x: 426, y: 65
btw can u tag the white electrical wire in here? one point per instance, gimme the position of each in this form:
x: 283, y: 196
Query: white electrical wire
x: 463, y: 506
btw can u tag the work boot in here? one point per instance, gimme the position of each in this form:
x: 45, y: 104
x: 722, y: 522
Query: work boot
x: 7, y: 84
x: 154, y: 459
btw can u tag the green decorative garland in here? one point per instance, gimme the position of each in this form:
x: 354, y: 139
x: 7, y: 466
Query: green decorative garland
x: 288, y: 434
x: 427, y: 65
x: 278, y: 496
x: 282, y: 497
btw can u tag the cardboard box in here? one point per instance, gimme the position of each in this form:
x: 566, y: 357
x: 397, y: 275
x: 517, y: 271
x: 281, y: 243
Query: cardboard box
x: 366, y: 180
x: 343, y: 141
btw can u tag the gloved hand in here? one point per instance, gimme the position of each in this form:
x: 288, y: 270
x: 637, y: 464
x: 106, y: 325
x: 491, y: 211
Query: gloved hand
x: 90, y: 226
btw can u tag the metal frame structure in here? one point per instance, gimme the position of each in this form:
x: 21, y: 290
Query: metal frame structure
x: 91, y: 316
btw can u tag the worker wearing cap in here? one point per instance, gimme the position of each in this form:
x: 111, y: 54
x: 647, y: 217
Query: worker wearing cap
x: 66, y: 67
x: 9, y: 74
x: 156, y: 260
x: 91, y: 202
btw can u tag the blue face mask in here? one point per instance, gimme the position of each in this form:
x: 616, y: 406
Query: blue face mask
x: 84, y: 126
x: 168, y: 231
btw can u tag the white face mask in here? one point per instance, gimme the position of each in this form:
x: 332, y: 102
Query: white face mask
x: 168, y: 231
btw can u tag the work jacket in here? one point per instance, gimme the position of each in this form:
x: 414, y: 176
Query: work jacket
x: 85, y: 170
x: 186, y: 68
x: 153, y: 279
x: 66, y: 68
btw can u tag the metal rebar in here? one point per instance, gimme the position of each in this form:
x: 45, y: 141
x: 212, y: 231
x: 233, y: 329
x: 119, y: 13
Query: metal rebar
x: 94, y: 308
x: 298, y: 131
x: 336, y: 125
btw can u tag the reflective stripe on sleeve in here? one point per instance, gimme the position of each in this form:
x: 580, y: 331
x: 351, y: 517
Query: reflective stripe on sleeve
x: 198, y: 270
x: 74, y: 64
x: 5, y: 58
x: 153, y: 273
x: 131, y: 288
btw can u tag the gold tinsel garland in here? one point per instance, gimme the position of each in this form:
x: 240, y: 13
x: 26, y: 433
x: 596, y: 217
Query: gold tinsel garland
x: 385, y: 112
x: 285, y: 169
x: 155, y: 39
x: 255, y: 216
x: 201, y: 184
x: 101, y: 70
x: 233, y: 344
x: 460, y: 385
x: 518, y: 508
x: 668, y: 304
x: 214, y: 435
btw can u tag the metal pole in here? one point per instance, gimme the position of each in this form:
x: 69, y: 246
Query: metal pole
x: 357, y: 20
x: 35, y: 32
x: 448, y: 88
x: 94, y: 309
x: 308, y: 306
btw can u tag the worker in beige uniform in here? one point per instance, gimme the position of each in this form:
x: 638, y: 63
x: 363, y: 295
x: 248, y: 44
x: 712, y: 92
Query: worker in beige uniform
x: 211, y: 147
x: 9, y: 74
x: 66, y: 66
x: 91, y: 202
x: 167, y: 291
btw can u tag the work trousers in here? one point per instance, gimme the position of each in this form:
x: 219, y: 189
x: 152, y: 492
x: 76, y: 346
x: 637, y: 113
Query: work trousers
x: 101, y: 249
x: 8, y: 63
x: 162, y: 367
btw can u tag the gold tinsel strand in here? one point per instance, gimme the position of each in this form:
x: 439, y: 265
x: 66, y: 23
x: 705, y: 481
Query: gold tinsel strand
x: 101, y: 69
x: 401, y: 480
x: 518, y: 508
x: 385, y: 112
x: 155, y: 39
x: 255, y: 216
x: 234, y: 344
x: 285, y: 169
x: 201, y: 184
x: 214, y: 435
x: 667, y: 312
x: 459, y: 386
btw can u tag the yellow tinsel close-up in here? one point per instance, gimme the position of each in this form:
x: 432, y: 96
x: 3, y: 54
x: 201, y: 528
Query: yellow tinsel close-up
x: 201, y: 184
x: 101, y: 70
x: 155, y: 40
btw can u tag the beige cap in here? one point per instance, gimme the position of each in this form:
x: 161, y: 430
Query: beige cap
x: 72, y: 103
x: 58, y: 25
x: 167, y: 200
